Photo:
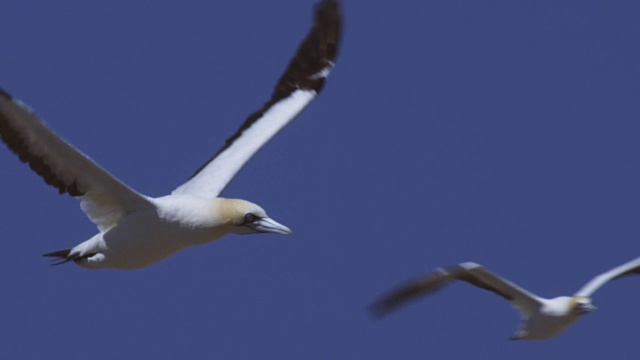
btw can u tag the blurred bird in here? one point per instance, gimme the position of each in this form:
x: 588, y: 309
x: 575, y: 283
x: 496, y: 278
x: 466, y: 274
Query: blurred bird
x: 136, y: 230
x: 541, y: 318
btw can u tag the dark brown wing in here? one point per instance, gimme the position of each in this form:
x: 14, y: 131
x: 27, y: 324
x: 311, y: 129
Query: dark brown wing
x: 303, y: 79
x: 471, y: 273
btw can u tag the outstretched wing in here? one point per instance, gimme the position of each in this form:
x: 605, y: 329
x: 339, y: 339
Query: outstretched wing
x: 630, y: 268
x: 472, y: 273
x: 298, y: 86
x: 102, y: 197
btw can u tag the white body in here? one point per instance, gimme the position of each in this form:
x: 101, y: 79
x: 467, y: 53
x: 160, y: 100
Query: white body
x: 553, y: 317
x: 135, y: 230
x: 541, y: 318
x: 148, y: 236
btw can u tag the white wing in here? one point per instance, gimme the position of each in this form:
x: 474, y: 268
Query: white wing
x: 630, y: 268
x: 298, y: 86
x: 102, y: 197
x: 472, y: 273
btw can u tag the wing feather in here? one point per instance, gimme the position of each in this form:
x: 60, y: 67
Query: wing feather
x: 471, y: 273
x: 303, y: 79
x: 103, y: 197
x: 630, y: 268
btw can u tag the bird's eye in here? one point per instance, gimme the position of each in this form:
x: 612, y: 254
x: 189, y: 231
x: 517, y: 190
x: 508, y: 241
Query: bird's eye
x: 249, y: 218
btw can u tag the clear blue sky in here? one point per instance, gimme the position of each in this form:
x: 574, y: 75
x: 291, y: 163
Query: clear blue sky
x: 498, y: 132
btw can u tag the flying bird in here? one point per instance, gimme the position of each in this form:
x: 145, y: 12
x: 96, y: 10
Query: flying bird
x: 137, y: 230
x: 541, y: 318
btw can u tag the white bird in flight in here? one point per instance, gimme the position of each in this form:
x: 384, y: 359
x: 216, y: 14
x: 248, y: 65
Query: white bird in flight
x: 136, y: 230
x: 541, y: 318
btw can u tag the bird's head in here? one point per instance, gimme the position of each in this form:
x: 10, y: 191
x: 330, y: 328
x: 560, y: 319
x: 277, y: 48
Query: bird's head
x: 244, y: 217
x: 582, y: 305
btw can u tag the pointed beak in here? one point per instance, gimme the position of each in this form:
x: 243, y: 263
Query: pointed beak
x: 587, y: 308
x: 268, y: 225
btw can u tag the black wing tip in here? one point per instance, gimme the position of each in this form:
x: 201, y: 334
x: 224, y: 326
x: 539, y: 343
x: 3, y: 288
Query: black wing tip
x: 17, y: 143
x: 380, y: 309
x: 328, y: 10
x: 308, y: 68
x: 328, y: 27
x: 5, y: 94
x: 317, y: 53
x: 327, y: 3
x: 410, y: 292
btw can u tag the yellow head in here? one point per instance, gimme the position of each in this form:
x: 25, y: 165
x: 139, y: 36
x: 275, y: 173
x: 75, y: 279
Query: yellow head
x: 581, y: 305
x: 244, y: 217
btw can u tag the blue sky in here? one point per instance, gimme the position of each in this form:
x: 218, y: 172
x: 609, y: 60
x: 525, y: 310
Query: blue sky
x: 502, y: 132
